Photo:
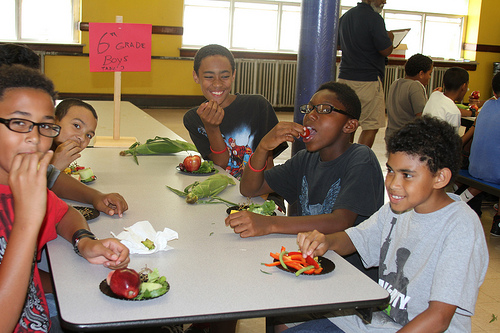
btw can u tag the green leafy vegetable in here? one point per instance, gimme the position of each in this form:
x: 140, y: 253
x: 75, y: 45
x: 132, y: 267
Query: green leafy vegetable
x: 206, y: 167
x: 155, y: 286
x: 493, y: 318
x: 267, y: 208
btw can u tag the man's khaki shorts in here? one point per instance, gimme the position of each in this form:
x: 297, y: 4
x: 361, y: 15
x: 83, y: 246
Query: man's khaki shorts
x: 371, y: 95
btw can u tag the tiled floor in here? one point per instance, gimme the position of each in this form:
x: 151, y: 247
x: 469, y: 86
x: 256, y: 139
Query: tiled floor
x: 488, y: 303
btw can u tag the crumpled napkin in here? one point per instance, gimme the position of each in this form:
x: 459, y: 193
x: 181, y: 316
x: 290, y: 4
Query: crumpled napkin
x: 132, y: 237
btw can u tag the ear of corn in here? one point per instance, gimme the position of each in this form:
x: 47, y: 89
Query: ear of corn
x: 209, y: 188
x: 158, y: 145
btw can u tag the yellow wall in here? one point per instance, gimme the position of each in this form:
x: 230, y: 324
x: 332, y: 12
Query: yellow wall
x: 483, y: 29
x: 167, y: 77
x: 173, y: 77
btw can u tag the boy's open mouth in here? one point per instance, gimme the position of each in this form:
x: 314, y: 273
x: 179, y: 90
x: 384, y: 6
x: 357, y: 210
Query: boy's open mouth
x: 309, y: 135
x: 217, y: 93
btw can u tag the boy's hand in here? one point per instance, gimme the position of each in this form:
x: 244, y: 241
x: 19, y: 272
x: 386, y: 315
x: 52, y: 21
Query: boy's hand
x: 249, y: 224
x: 65, y: 154
x: 211, y: 114
x: 110, y: 203
x: 312, y: 243
x: 283, y: 131
x: 108, y: 252
x: 28, y: 183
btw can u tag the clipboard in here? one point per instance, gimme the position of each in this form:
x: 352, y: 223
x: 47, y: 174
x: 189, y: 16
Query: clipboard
x: 399, y: 34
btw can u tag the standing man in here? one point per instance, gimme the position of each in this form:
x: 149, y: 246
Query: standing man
x: 365, y: 45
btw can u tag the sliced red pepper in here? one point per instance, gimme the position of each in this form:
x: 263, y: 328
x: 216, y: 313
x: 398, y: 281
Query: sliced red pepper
x: 275, y: 256
x: 276, y: 263
x: 310, y: 260
x: 318, y: 270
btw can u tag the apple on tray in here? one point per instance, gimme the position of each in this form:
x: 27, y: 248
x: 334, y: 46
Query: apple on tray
x: 191, y: 163
x: 124, y: 282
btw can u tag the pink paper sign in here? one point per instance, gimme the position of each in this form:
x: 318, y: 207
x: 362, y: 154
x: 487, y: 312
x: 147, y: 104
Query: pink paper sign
x: 120, y: 47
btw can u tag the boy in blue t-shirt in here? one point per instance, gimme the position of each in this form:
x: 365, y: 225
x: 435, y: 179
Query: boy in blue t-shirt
x: 428, y: 244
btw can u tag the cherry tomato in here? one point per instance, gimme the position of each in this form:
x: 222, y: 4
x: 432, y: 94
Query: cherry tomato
x: 306, y: 134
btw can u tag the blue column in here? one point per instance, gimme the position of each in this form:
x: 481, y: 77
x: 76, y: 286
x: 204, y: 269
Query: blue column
x: 317, y: 52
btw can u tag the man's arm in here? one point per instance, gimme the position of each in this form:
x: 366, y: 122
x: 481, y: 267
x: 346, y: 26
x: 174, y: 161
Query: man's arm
x: 388, y: 50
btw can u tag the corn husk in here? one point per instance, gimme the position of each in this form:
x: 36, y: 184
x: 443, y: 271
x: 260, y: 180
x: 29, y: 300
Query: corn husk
x: 156, y: 146
x: 209, y: 189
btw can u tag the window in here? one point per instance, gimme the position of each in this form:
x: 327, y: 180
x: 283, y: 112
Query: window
x: 266, y: 25
x: 228, y: 22
x: 51, y: 21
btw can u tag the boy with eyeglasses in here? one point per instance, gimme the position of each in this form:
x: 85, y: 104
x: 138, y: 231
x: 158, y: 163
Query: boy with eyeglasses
x: 336, y: 184
x: 31, y: 215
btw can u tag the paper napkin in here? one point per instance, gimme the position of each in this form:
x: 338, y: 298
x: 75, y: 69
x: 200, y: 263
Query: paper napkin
x: 132, y: 237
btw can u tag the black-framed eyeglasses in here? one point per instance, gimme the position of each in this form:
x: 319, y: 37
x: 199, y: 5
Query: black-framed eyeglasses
x: 321, y: 109
x: 25, y: 126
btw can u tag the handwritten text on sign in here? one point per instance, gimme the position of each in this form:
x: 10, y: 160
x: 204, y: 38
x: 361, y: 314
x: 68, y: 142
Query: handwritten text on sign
x: 120, y: 47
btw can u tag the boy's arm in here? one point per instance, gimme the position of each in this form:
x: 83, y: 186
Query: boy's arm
x: 436, y: 318
x: 28, y: 183
x: 108, y: 252
x: 211, y: 114
x: 67, y: 187
x: 252, y: 182
x: 250, y: 224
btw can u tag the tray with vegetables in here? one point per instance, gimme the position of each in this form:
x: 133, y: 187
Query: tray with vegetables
x: 267, y: 208
x: 127, y: 284
x: 295, y: 263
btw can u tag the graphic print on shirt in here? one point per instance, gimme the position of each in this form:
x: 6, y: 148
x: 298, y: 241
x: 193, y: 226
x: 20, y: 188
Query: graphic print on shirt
x: 320, y: 208
x: 395, y: 283
x: 239, y: 142
x: 34, y: 317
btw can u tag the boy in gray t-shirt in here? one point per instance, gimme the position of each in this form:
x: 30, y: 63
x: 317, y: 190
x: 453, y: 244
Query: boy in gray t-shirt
x: 429, y: 246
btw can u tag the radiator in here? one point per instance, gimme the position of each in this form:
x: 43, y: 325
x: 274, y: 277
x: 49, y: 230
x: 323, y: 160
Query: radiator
x: 276, y: 79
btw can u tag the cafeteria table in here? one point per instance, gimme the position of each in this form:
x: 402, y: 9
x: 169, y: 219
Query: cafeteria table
x: 213, y: 273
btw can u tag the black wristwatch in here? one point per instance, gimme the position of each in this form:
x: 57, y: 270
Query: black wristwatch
x: 78, y: 235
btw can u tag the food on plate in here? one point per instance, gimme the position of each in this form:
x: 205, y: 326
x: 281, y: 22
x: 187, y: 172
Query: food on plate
x: 294, y: 261
x: 209, y: 188
x: 192, y: 163
x: 149, y: 244
x: 158, y: 145
x: 205, y: 167
x: 267, y: 208
x: 80, y: 173
x: 124, y: 282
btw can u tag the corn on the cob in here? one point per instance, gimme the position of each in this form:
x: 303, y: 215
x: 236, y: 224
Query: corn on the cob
x: 209, y: 188
x: 158, y: 145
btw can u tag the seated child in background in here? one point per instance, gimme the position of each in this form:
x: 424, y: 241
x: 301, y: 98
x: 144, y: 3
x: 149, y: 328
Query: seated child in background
x: 484, y: 160
x: 30, y: 214
x: 63, y: 185
x: 429, y: 245
x: 442, y: 104
x: 407, y: 96
x: 78, y: 121
x: 227, y: 128
x: 335, y: 183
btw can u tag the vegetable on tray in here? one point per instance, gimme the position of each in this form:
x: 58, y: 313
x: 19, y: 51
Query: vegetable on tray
x: 209, y: 188
x: 267, y: 208
x: 129, y: 284
x: 158, y: 145
x: 294, y: 261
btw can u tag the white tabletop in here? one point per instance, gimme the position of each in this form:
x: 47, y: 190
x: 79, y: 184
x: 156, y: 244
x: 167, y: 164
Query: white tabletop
x: 213, y: 273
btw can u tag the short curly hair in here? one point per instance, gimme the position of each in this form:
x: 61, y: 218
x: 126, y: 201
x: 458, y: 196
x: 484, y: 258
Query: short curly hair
x: 346, y: 95
x: 19, y: 76
x: 11, y: 54
x: 63, y: 107
x: 213, y: 50
x: 431, y: 139
x: 416, y: 63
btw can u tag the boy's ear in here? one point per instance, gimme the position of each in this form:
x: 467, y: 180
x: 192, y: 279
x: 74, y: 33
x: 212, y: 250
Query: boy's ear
x: 351, y: 126
x: 195, y: 77
x: 443, y: 177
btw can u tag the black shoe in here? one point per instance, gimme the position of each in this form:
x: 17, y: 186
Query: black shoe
x: 495, y: 228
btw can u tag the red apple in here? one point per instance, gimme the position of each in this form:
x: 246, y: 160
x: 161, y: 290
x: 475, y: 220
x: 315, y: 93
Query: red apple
x: 475, y: 94
x: 192, y: 163
x: 125, y: 282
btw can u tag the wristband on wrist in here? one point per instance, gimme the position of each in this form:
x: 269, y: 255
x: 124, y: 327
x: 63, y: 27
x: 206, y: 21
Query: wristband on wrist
x: 218, y: 152
x: 254, y: 170
x: 78, y: 235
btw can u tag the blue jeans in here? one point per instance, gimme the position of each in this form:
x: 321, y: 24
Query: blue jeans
x: 318, y: 325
